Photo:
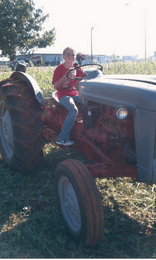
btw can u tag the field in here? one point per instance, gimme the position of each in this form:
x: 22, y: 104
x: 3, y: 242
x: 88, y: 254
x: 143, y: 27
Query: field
x: 30, y: 224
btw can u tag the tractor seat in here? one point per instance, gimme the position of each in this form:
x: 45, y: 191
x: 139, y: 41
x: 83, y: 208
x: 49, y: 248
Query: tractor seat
x: 56, y: 100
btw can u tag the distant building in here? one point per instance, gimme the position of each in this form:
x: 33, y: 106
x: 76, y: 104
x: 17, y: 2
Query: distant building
x: 129, y: 58
x: 39, y: 58
x: 4, y: 61
x: 98, y: 59
x: 54, y: 59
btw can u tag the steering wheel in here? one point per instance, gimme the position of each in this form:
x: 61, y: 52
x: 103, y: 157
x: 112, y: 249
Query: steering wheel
x: 84, y: 74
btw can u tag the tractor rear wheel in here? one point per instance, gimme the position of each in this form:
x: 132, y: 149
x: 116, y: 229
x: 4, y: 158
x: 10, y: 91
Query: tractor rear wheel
x: 21, y: 139
x: 79, y: 202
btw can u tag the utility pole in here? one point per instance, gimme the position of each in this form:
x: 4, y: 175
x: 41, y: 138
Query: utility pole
x: 91, y: 46
x: 145, y: 34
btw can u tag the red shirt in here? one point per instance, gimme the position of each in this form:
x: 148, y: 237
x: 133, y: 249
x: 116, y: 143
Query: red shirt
x: 68, y: 88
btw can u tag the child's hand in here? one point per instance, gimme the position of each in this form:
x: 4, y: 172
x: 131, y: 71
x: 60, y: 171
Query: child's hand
x: 72, y: 74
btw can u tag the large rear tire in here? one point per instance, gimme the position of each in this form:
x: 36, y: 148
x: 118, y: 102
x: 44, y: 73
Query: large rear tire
x: 21, y: 139
x: 79, y: 202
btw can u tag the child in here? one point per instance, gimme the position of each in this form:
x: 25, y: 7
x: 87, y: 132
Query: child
x: 67, y: 94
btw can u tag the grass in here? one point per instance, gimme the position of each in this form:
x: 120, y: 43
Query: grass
x: 30, y: 224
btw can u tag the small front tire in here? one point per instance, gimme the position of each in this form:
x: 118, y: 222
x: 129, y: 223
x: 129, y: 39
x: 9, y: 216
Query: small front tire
x: 79, y: 202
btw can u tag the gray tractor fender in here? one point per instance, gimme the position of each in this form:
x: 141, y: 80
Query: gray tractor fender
x: 31, y: 82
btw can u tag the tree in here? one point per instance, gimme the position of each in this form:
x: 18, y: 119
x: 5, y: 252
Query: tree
x: 21, y: 28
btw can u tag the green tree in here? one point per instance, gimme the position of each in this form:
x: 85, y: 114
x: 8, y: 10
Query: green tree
x: 21, y: 28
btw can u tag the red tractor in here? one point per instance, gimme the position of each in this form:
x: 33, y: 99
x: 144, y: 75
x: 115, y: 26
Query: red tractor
x: 115, y: 129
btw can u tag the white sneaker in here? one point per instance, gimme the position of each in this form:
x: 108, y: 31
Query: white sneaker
x: 64, y: 142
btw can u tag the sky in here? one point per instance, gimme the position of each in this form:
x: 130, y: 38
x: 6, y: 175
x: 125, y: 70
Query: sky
x: 120, y: 27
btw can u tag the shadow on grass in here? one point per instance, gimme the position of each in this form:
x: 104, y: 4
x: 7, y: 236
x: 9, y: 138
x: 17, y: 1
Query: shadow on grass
x: 125, y: 237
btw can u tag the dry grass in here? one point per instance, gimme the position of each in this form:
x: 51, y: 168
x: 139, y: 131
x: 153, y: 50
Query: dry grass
x: 31, y: 225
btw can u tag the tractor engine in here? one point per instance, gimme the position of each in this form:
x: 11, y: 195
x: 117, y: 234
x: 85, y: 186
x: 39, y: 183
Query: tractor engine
x: 113, y: 137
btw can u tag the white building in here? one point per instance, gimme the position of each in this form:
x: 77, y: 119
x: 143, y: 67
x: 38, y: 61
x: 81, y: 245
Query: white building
x: 4, y: 61
x: 53, y: 59
x: 129, y: 58
x: 46, y: 58
x: 98, y: 59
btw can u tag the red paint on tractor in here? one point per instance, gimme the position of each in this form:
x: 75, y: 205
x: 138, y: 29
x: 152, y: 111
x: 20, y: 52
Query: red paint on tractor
x: 102, y: 143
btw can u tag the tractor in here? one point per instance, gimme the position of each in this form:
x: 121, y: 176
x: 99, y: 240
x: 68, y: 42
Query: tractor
x: 115, y: 129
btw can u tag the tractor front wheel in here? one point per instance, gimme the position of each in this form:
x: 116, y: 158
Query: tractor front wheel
x: 79, y: 202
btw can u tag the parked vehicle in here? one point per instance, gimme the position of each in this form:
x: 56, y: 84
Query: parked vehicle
x: 115, y: 129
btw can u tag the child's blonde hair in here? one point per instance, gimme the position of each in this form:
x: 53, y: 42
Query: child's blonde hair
x: 66, y: 49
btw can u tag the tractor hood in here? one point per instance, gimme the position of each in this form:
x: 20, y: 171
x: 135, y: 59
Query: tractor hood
x: 130, y: 90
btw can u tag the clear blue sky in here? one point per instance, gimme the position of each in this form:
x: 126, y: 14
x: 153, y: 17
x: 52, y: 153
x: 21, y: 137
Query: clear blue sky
x: 119, y: 26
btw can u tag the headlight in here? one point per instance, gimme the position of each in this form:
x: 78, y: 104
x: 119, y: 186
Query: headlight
x: 121, y: 113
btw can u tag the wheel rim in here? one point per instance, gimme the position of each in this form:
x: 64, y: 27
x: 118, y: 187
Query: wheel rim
x: 69, y: 204
x: 6, y: 132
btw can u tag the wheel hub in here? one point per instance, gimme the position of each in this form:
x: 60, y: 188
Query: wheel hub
x: 69, y: 204
x: 7, y: 133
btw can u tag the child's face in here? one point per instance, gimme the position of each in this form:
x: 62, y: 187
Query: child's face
x: 69, y: 57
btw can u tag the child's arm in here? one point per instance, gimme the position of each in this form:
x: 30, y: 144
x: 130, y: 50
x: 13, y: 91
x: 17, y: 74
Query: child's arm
x: 60, y: 82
